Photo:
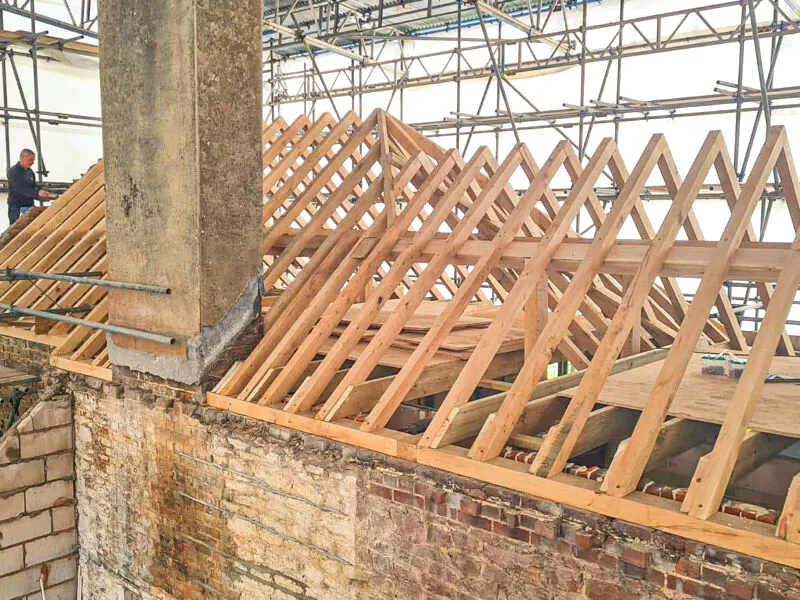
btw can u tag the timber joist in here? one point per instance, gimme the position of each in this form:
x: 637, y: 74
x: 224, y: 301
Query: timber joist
x: 418, y: 304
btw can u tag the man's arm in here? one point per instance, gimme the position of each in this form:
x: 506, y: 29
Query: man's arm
x: 19, y: 187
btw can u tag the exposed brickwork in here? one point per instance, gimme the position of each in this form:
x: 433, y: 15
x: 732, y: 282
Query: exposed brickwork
x: 239, y: 350
x: 38, y: 535
x: 24, y: 355
x: 180, y: 500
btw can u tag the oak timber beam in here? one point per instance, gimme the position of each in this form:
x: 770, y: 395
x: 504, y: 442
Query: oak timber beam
x: 752, y: 261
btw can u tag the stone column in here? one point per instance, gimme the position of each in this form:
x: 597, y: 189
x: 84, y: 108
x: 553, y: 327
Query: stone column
x: 181, y: 87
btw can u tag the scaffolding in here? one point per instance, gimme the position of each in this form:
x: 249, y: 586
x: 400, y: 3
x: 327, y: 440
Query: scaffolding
x: 362, y: 33
x: 35, y: 45
x: 550, y: 42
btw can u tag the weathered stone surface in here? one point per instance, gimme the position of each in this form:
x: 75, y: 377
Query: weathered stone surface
x: 202, y: 504
x: 173, y: 96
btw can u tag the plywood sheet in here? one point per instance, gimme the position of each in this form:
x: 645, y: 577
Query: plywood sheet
x: 707, y: 397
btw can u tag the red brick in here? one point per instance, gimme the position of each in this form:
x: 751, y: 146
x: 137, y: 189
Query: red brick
x: 668, y: 541
x: 695, y: 548
x: 636, y: 556
x: 607, y: 561
x: 716, y: 576
x: 511, y: 519
x: 462, y: 517
x: 633, y: 571
x: 482, y: 523
x: 527, y: 521
x: 584, y: 540
x: 438, y: 509
x: 477, y: 493
x: 490, y: 511
x: 750, y: 564
x: 164, y: 403
x: 426, y: 491
x: 548, y: 528
x: 470, y: 507
x: 500, y: 528
x: 379, y: 490
x: 690, y: 587
x: 767, y: 593
x: 390, y: 480
x: 522, y: 535
x: 658, y: 578
x: 630, y: 530
x: 689, y: 567
x: 740, y: 589
x: 404, y: 497
x: 784, y: 574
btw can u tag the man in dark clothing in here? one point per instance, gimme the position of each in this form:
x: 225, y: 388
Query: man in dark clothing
x: 22, y: 188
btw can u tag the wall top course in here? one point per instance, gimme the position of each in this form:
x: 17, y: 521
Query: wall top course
x: 397, y: 526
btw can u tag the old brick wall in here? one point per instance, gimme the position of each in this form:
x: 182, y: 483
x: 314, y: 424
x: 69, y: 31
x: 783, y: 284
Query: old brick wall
x: 29, y: 357
x: 38, y: 536
x: 182, y: 501
x: 24, y: 355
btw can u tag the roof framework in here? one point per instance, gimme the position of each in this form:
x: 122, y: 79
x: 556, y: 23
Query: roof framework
x: 356, y: 336
x: 417, y: 300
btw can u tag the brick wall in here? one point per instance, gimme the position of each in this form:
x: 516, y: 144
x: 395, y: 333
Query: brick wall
x: 24, y: 355
x: 177, y: 500
x: 239, y: 350
x: 38, y: 536
x: 31, y: 358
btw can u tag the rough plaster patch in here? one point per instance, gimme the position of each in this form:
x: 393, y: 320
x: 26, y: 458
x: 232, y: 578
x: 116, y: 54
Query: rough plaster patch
x: 202, y: 350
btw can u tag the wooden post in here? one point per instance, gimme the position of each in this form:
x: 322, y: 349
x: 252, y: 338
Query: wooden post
x: 535, y: 313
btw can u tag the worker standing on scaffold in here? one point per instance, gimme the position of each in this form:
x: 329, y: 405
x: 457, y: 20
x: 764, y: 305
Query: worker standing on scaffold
x: 22, y: 188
